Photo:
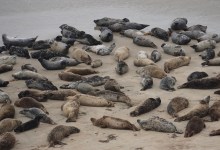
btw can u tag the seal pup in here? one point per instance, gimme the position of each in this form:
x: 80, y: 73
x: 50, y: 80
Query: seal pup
x: 155, y: 56
x: 28, y: 67
x: 60, y: 132
x: 214, y: 132
x: 151, y: 70
x: 7, y: 111
x: 195, y: 34
x: 70, y: 110
x: 167, y: 83
x: 32, y: 124
x: 89, y: 100
x: 197, y: 75
x: 100, y: 49
x: 194, y: 126
x: 81, y: 71
x: 19, y: 51
x: 121, y: 68
x: 29, y: 102
x: 177, y: 104
x: 40, y: 84
x: 207, y: 54
x: 22, y: 42
x: 106, y: 34
x: 176, y: 62
x: 204, y: 83
x: 75, y: 33
x: 52, y: 65
x: 179, y: 39
x: 179, y: 24
x: 41, y: 44
x: 203, y: 45
x: 67, y: 40
x: 212, y: 62
x: 121, y: 53
x: 158, y: 124
x: 34, y: 112
x: 112, y: 85
x: 46, y: 54
x: 106, y: 21
x: 214, y: 111
x: 146, y: 82
x: 5, y: 68
x: 36, y: 94
x: 26, y: 75
x: 160, y: 33
x: 69, y: 76
x: 113, y: 123
x: 7, y: 141
x: 142, y: 55
x: 4, y: 97
x: 132, y: 33
x: 146, y: 106
x: 69, y: 61
x: 8, y: 60
x: 80, y: 55
x: 143, y: 41
x: 8, y: 125
x: 200, y: 110
x: 59, y: 47
x: 197, y: 27
x: 96, y: 63
x: 3, y: 83
x: 174, y: 50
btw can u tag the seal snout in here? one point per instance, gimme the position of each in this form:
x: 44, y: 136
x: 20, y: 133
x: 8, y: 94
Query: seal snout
x: 139, y: 121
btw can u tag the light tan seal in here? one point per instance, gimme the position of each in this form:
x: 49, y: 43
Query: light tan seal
x: 81, y: 71
x: 7, y: 111
x: 121, y: 53
x: 177, y: 104
x: 69, y: 76
x: 113, y: 123
x: 70, y: 110
x: 9, y: 124
x: 152, y: 70
x: 80, y: 55
x: 214, y: 111
x: 7, y: 141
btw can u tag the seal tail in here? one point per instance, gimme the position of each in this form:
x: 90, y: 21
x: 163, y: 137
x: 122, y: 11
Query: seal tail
x: 179, y: 131
x: 217, y: 92
x: 194, y: 47
x: 205, y: 63
x: 214, y: 133
x: 182, y: 86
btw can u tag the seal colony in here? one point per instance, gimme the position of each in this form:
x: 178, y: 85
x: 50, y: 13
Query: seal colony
x: 91, y: 83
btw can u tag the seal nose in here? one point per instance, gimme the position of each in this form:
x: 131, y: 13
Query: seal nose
x: 138, y: 121
x: 96, y: 21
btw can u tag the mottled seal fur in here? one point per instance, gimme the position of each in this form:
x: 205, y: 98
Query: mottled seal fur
x: 106, y: 21
x: 112, y: 85
x: 200, y: 110
x: 121, y: 53
x: 146, y: 82
x: 179, y: 24
x: 85, y: 88
x: 100, y: 49
x: 60, y: 132
x: 132, y: 33
x: 96, y: 80
x: 214, y: 132
x: 70, y: 110
x: 46, y: 54
x: 160, y: 33
x: 34, y: 123
x: 197, y: 75
x: 121, y: 68
x: 96, y: 63
x: 197, y: 27
x: 52, y: 65
x: 214, y: 111
x: 215, y: 37
x: 180, y: 39
x: 40, y: 84
x: 69, y: 76
x: 155, y: 56
x: 152, y: 70
x: 88, y: 39
x: 8, y: 125
x: 41, y: 44
x: 212, y: 62
x: 143, y: 41
x: 59, y: 47
x: 194, y: 126
x: 28, y: 67
x: 8, y: 60
x: 19, y: 51
x: 67, y: 40
x: 143, y: 62
x: 113, y: 123
x: 34, y: 112
x: 81, y: 71
x: 207, y: 54
x: 146, y: 106
x: 118, y: 27
x: 7, y: 141
x: 177, y: 104
x: 158, y: 124
x: 203, y: 45
x: 36, y: 94
x: 80, y: 55
x: 60, y: 94
x: 4, y: 97
x: 5, y: 68
x: 69, y: 61
x: 176, y: 62
x: 26, y: 75
x: 167, y: 83
x: 70, y: 31
x: 174, y: 50
x: 106, y: 34
x: 29, y: 102
x: 7, y: 111
x: 3, y: 83
x: 195, y: 34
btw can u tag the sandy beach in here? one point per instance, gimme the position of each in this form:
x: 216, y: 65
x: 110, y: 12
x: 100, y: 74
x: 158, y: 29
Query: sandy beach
x: 30, y: 18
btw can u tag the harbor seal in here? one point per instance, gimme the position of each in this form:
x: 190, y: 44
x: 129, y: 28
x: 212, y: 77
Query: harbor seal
x: 69, y: 61
x: 194, y: 126
x: 70, y: 110
x: 121, y: 53
x: 158, y: 124
x: 121, y: 68
x: 217, y: 92
x: 106, y: 34
x: 34, y: 112
x: 41, y: 44
x: 26, y: 75
x: 5, y: 68
x: 46, y: 54
x: 85, y: 88
x: 151, y: 70
x: 179, y: 24
x: 214, y: 111
x: 100, y: 49
x: 179, y: 39
x: 60, y: 132
x: 96, y: 80
x: 8, y: 125
x: 142, y: 55
x: 40, y: 84
x: 207, y: 54
x: 143, y: 62
x: 89, y: 100
x: 106, y: 21
x: 80, y: 55
x: 197, y: 75
x: 7, y: 141
x: 174, y: 50
x: 74, y: 33
x: 29, y: 102
x: 197, y: 27
x: 215, y: 37
x: 143, y: 41
x: 32, y: 124
x: 146, y: 106
x: 195, y: 34
x: 4, y: 97
x: 88, y: 39
x: 132, y: 33
x: 203, y: 45
x: 52, y: 65
x: 8, y: 60
x: 177, y: 104
x: 81, y: 71
x: 112, y: 85
x: 7, y: 111
x: 212, y: 62
x: 67, y: 40
x: 96, y: 63
x: 113, y: 123
x: 160, y: 33
x: 36, y: 94
x: 59, y: 94
x: 146, y: 82
x: 3, y: 48
x: 59, y: 47
x: 176, y: 62
x: 28, y: 67
x: 3, y: 83
x: 118, y: 27
x: 200, y: 110
x: 214, y: 132
x: 22, y: 42
x: 19, y: 51
x: 155, y: 56
x: 167, y: 83
x: 69, y: 76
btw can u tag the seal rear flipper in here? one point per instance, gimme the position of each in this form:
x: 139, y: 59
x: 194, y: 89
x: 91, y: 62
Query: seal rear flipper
x: 214, y: 133
x: 205, y: 63
x: 179, y: 131
x: 217, y: 92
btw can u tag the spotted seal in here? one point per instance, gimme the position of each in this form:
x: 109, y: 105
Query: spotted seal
x: 69, y: 76
x: 3, y: 83
x: 151, y: 70
x: 7, y: 111
x: 179, y: 39
x: 7, y: 141
x: 9, y: 124
x: 174, y: 50
x: 59, y: 47
x: 70, y: 110
x: 88, y: 39
x: 28, y: 67
x: 46, y: 54
x: 52, y: 65
x: 106, y: 21
x: 106, y: 34
x: 4, y: 97
x: 112, y: 85
x: 212, y: 62
x: 5, y: 68
x: 121, y: 68
x: 40, y: 84
x: 69, y: 61
x: 155, y: 56
x: 41, y: 44
x: 96, y: 63
x: 197, y: 75
x: 201, y: 46
x: 70, y: 31
x: 68, y: 40
x: 177, y: 104
x: 179, y: 24
x: 118, y: 27
x: 167, y: 83
x: 26, y: 74
x: 132, y: 33
x: 19, y: 51
x: 160, y: 33
x: 8, y: 60
x: 207, y: 54
x: 81, y: 71
x: 197, y: 27
x: 195, y: 34
x: 143, y: 41
x: 100, y: 49
x: 214, y: 132
x: 80, y: 55
x: 146, y: 82
x: 36, y: 94
x: 194, y: 126
x: 214, y: 111
x: 121, y: 53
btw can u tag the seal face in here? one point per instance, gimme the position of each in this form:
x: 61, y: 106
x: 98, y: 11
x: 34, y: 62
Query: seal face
x: 179, y: 24
x: 112, y: 85
x: 214, y: 111
x: 40, y: 84
x: 207, y: 54
x: 177, y: 104
x: 152, y: 70
x: 146, y: 106
x: 194, y: 126
x: 167, y: 83
x: 121, y: 68
x: 113, y: 123
x: 60, y: 132
x: 160, y: 33
x: 106, y: 34
x: 4, y: 97
x: 28, y: 67
x: 197, y: 75
x: 158, y: 124
x: 155, y: 56
x: 8, y: 125
x: 19, y: 51
x: 143, y: 41
x: 146, y: 82
x: 70, y: 110
x: 7, y: 141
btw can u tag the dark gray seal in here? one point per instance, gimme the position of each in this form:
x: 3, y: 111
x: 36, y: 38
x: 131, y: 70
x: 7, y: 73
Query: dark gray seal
x: 214, y: 132
x: 69, y: 61
x: 40, y: 84
x: 68, y: 41
x: 179, y: 24
x: 177, y: 104
x: 106, y: 21
x: 194, y: 126
x: 71, y: 32
x: 28, y: 67
x: 41, y: 44
x: 207, y: 54
x: 121, y: 68
x: 46, y: 54
x: 52, y: 65
x: 155, y: 56
x: 36, y: 94
x: 143, y: 41
x: 214, y: 111
x: 146, y: 82
x: 3, y: 49
x: 5, y: 68
x: 167, y: 83
x: 4, y: 97
x: 19, y: 51
x: 88, y: 39
x: 160, y: 33
x: 96, y: 80
x: 106, y: 34
x: 197, y: 75
x: 197, y: 27
x: 118, y: 27
x: 3, y: 83
x: 180, y: 39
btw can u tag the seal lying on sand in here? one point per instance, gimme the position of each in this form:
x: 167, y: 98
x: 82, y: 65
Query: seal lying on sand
x: 212, y: 62
x: 106, y: 21
x: 81, y: 71
x: 174, y: 50
x: 69, y: 61
x: 197, y: 75
x: 88, y: 39
x: 118, y: 27
x: 40, y: 84
x: 70, y: 110
x: 143, y: 41
x: 8, y: 125
x: 214, y: 111
x: 59, y: 47
x: 80, y: 55
x: 207, y: 54
x: 7, y: 111
x: 41, y: 44
x: 8, y: 60
x: 200, y: 110
x: 121, y: 53
x: 3, y: 83
x: 197, y: 27
x: 52, y: 65
x: 4, y: 97
x: 46, y: 54
x: 19, y: 51
x: 96, y: 63
x: 26, y: 75
x: 146, y: 82
x: 69, y: 76
x: 158, y: 124
x: 215, y: 37
x: 106, y: 34
x: 75, y: 33
x: 180, y: 39
x: 160, y: 33
x: 151, y: 70
x: 113, y: 123
x: 121, y: 68
x: 146, y: 106
x: 132, y: 33
x: 100, y: 49
x: 214, y: 132
x: 36, y: 94
x: 177, y: 104
x: 5, y: 68
x: 7, y: 141
x: 195, y: 34
x: 179, y: 24
x: 67, y: 40
x: 167, y: 83
x: 28, y: 67
x: 112, y: 85
x: 203, y: 45
x: 60, y: 132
